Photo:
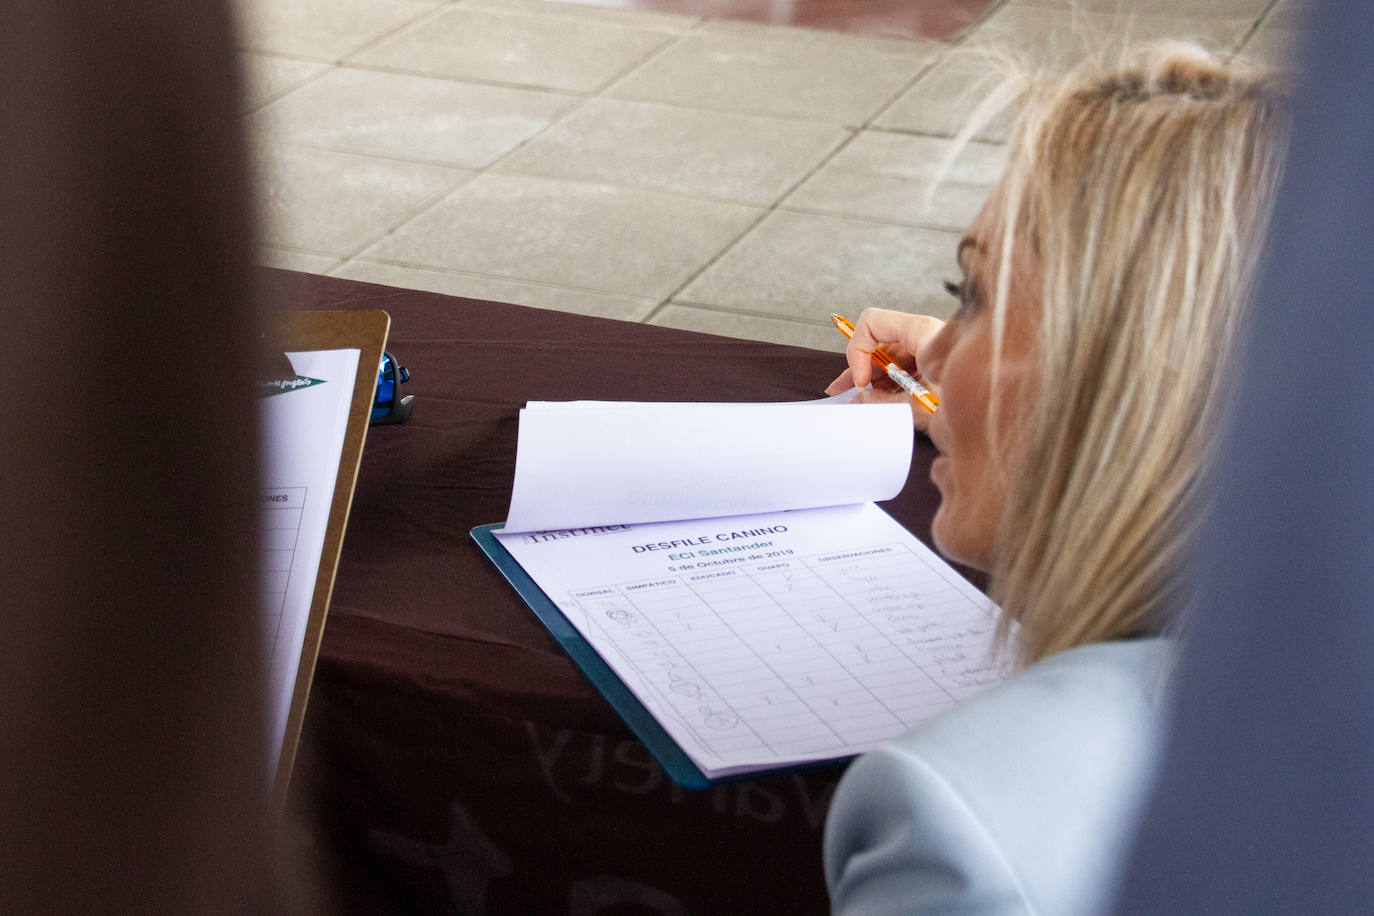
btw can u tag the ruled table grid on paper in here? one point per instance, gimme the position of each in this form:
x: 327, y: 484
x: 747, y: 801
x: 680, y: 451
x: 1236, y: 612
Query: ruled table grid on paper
x: 280, y: 510
x: 796, y: 656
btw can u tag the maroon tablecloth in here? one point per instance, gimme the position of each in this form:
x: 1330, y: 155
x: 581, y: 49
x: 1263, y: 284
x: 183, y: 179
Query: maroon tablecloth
x: 454, y: 757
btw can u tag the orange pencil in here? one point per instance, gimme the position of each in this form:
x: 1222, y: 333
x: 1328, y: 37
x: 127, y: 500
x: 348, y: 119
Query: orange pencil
x: 910, y: 384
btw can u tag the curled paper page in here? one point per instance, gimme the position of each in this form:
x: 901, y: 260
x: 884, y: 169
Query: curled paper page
x: 586, y: 463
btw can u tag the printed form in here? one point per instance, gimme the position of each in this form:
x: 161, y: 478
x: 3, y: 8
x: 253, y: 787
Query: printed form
x: 757, y: 640
x: 303, y: 425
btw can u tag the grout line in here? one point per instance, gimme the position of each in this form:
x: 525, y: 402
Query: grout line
x: 615, y: 17
x: 1266, y: 13
x: 668, y: 40
x: 421, y: 17
x: 751, y: 313
x: 877, y: 221
x: 902, y: 90
x: 246, y: 79
x: 386, y: 157
x: 292, y: 55
x: 584, y: 95
x: 988, y: 12
x: 958, y: 41
x: 482, y: 275
x: 652, y: 54
x: 466, y: 80
x: 412, y: 24
x: 668, y: 37
x: 618, y: 295
x: 333, y: 62
x: 600, y: 93
x: 493, y: 167
x: 630, y: 185
x: 579, y: 98
x: 932, y: 134
x: 577, y: 106
x: 871, y: 42
x: 424, y: 207
x: 730, y: 245
x: 525, y: 141
x: 1250, y: 32
x: 825, y: 160
x: 296, y: 249
x: 774, y: 208
x: 698, y: 109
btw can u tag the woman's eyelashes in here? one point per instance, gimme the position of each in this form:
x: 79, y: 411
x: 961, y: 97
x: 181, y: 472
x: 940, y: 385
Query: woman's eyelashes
x: 964, y: 292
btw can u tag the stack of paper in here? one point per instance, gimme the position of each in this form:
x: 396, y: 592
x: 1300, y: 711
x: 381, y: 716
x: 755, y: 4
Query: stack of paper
x: 730, y: 584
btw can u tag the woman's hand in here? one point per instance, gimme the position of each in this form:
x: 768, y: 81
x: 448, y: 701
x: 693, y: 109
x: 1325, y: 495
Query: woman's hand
x: 901, y: 336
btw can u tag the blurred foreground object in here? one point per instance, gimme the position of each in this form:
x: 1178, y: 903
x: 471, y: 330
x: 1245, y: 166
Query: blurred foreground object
x: 133, y: 775
x: 1266, y: 797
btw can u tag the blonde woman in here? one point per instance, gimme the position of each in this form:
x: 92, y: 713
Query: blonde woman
x: 1082, y: 382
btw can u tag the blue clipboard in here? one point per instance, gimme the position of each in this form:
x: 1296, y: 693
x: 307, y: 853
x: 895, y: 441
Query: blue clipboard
x: 651, y: 734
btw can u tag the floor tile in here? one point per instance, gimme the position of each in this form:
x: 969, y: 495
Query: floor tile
x: 938, y: 20
x: 1063, y: 37
x: 1289, y: 14
x: 804, y: 266
x: 306, y: 261
x: 1215, y: 9
x: 784, y: 72
x: 888, y: 176
x: 1277, y: 48
x: 562, y: 299
x: 323, y: 30
x: 553, y: 52
x: 603, y: 13
x: 608, y: 205
x: 596, y: 237
x: 819, y: 39
x: 334, y: 203
x: 661, y: 148
x: 409, y: 117
x: 753, y: 327
x: 266, y: 76
x: 945, y: 98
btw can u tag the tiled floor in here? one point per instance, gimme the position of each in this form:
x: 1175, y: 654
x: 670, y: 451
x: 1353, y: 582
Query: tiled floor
x: 678, y: 169
x: 934, y: 20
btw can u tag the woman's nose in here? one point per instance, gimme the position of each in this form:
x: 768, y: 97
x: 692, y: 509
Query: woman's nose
x: 931, y: 358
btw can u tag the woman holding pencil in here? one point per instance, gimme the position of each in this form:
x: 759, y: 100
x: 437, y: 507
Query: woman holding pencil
x: 1079, y: 387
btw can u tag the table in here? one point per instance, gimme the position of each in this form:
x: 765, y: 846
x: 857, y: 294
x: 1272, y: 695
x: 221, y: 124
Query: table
x: 455, y: 759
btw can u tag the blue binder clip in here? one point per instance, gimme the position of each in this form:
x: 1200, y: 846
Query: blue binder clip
x: 389, y: 406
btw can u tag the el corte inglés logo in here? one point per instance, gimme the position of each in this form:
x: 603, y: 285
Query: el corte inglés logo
x: 282, y: 385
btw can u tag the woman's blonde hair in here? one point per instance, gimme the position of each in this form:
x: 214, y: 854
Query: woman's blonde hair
x: 1142, y: 192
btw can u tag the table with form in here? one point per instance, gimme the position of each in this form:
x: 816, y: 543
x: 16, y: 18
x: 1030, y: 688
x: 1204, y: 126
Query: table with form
x: 454, y: 759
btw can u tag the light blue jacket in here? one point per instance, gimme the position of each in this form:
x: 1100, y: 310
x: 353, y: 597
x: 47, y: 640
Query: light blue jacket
x: 1021, y: 800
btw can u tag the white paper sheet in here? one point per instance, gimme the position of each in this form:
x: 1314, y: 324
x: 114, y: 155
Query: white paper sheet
x: 757, y: 637
x: 596, y: 463
x: 303, y: 431
x: 773, y: 639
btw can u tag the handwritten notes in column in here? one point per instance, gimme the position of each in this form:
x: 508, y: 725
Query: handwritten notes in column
x: 773, y: 639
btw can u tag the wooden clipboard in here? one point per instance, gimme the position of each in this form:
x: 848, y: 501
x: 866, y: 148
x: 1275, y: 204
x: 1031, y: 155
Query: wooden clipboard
x: 329, y: 330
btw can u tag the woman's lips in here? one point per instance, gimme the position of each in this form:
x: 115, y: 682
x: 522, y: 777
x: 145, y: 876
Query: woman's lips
x: 936, y: 468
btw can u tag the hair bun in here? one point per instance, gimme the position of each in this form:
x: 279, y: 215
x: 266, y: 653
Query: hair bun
x: 1193, y: 75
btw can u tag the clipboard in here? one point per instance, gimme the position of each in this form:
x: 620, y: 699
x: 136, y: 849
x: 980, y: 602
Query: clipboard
x: 656, y: 740
x: 300, y: 331
x: 651, y: 734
